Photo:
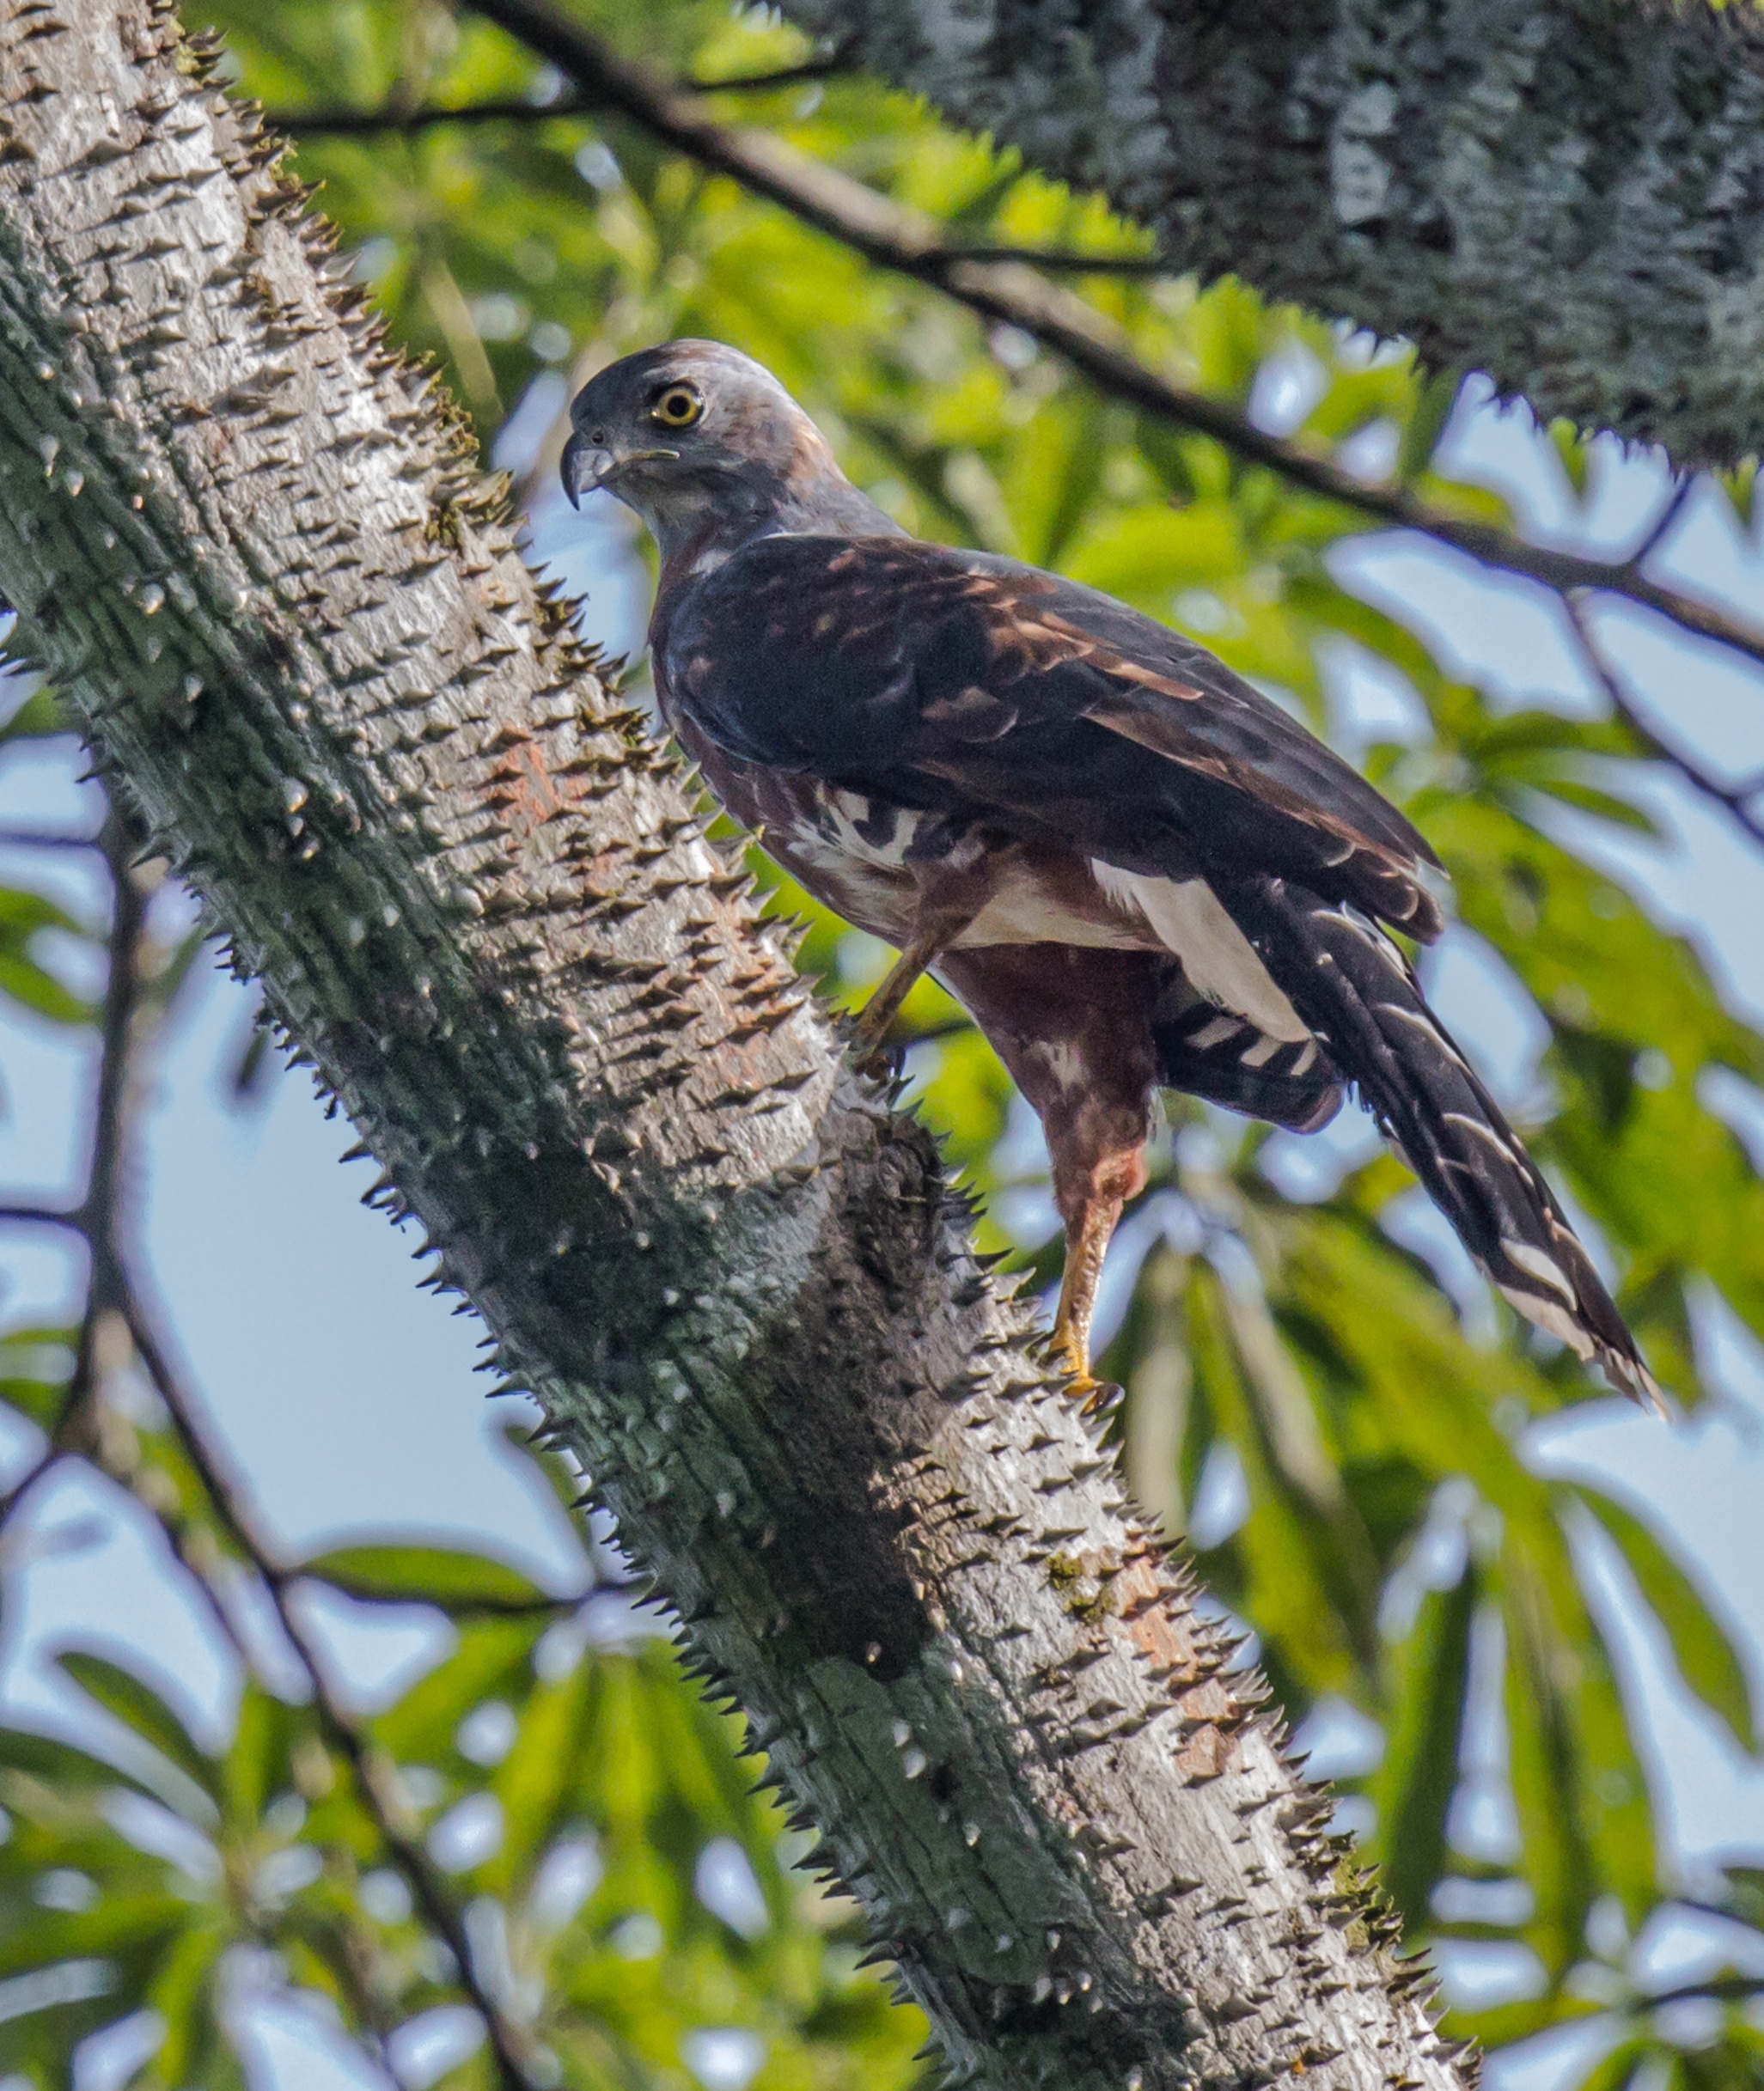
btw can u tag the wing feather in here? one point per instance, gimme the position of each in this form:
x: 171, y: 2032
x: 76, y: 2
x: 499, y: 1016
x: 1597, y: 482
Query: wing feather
x: 964, y: 682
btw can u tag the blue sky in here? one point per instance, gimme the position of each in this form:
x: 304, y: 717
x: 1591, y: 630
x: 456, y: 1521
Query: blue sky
x: 298, y: 1312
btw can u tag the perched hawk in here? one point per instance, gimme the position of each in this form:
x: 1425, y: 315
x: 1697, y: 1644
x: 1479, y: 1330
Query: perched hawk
x: 1132, y: 867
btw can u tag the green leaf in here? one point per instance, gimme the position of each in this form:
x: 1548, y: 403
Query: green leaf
x: 1574, y: 451
x: 1412, y: 1788
x: 448, y: 1577
x: 37, y: 718
x: 1425, y: 424
x: 1706, y: 1655
x: 135, y: 1703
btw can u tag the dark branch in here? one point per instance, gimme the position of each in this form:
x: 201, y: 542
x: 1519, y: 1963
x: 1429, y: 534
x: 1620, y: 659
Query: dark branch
x: 43, y: 839
x: 111, y: 1290
x: 339, y: 122
x: 375, y: 1777
x: 26, y: 1481
x: 334, y: 123
x: 1010, y: 294
x: 1659, y: 529
x: 827, y: 67
x: 1739, y: 799
x: 1057, y: 261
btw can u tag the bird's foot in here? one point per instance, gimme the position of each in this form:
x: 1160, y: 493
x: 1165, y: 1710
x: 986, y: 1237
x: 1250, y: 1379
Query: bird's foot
x: 1095, y: 1396
x: 880, y: 1062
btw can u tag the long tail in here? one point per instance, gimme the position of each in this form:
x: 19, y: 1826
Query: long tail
x: 1353, y: 986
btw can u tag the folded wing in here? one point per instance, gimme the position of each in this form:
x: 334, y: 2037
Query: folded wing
x: 960, y: 680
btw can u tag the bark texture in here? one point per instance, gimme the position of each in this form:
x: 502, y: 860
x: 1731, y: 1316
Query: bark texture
x: 250, y: 546
x: 1568, y: 194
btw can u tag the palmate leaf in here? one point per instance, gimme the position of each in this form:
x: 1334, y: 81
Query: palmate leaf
x: 34, y: 1367
x: 1576, y: 1783
x: 490, y: 1660
x: 1422, y: 1394
x: 184, y: 1991
x: 1618, y: 2070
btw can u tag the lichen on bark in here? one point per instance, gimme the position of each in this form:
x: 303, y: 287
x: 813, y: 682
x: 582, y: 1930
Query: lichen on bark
x: 249, y: 545
x: 1567, y: 194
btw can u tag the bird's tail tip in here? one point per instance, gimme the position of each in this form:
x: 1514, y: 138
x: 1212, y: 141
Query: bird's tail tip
x: 1613, y: 1353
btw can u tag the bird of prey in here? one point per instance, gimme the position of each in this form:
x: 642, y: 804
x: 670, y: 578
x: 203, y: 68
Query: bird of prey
x: 1132, y: 867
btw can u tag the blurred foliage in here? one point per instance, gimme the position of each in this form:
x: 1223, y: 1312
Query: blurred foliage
x: 1344, y: 1421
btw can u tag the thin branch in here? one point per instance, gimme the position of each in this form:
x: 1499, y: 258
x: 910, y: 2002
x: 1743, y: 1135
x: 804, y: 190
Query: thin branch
x: 11, y: 1501
x: 338, y: 123
x: 1061, y: 261
x: 111, y: 1291
x: 43, y: 1216
x: 96, y: 1215
x: 1656, y: 531
x: 1011, y: 294
x: 375, y: 1777
x: 38, y: 838
x: 345, y: 122
x: 827, y: 67
x: 1724, y: 1989
x: 1739, y: 799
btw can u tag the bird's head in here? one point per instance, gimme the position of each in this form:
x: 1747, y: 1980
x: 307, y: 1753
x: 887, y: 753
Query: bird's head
x: 704, y: 443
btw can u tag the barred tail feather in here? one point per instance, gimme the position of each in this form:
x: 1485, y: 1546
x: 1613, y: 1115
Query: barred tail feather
x: 1208, y: 1051
x: 1354, y: 989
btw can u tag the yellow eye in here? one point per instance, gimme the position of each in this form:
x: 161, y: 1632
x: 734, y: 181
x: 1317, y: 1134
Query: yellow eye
x: 678, y: 407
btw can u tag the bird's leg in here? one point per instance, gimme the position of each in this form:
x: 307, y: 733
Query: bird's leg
x: 1087, y: 1235
x: 947, y: 902
x: 1073, y: 1024
x: 1099, y: 1163
x: 884, y: 1005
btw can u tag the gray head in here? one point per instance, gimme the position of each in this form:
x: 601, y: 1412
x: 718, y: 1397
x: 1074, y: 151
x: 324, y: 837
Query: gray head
x: 710, y: 450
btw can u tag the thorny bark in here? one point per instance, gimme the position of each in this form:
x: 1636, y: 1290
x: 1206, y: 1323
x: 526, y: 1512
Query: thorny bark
x: 1568, y: 194
x: 249, y: 546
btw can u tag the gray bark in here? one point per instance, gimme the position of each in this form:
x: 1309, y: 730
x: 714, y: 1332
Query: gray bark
x: 245, y: 541
x: 1568, y: 194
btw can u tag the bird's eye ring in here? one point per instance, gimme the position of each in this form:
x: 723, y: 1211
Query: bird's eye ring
x: 678, y: 407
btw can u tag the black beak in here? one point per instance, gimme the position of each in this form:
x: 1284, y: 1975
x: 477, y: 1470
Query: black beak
x: 583, y: 467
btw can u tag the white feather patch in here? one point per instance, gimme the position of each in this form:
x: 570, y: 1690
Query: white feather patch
x: 1555, y: 1320
x: 1544, y: 1268
x: 1191, y: 923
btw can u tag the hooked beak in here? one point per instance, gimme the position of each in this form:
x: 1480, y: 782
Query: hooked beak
x: 586, y: 466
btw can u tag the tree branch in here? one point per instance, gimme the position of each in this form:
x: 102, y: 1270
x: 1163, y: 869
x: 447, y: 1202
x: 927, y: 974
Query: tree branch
x: 375, y: 1779
x: 347, y: 123
x: 1739, y: 799
x: 741, y: 1289
x: 111, y: 1292
x: 1006, y: 291
x: 1447, y: 175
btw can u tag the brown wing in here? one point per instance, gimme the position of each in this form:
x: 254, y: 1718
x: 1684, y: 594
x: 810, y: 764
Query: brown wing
x: 966, y: 682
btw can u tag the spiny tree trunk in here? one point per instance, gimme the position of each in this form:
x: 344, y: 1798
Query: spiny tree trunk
x: 1568, y: 194
x: 249, y: 546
